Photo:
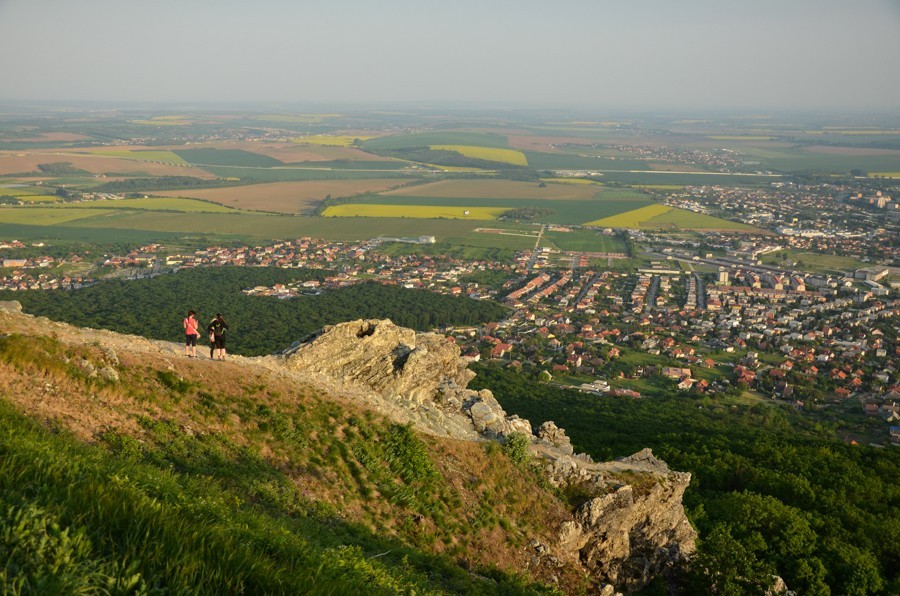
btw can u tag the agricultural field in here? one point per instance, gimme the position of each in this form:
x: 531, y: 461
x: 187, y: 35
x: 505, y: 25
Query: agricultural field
x: 183, y: 205
x: 663, y: 216
x: 141, y: 155
x: 227, y: 157
x: 583, y: 240
x: 476, y: 139
x: 295, y: 118
x: 292, y: 153
x: 108, y: 165
x: 498, y: 189
x: 172, y: 120
x: 48, y: 216
x: 510, y: 156
x: 285, y: 197
x: 287, y: 174
x: 416, y: 211
x: 570, y: 161
x: 332, y: 140
x: 631, y: 219
x: 688, y: 220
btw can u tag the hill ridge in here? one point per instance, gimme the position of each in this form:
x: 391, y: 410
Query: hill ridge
x: 627, y: 526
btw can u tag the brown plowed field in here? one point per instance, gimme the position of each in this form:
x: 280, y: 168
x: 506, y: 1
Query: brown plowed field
x: 284, y: 197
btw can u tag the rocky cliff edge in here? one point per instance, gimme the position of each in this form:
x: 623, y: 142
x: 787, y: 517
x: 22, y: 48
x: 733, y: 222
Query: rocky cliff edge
x: 631, y: 526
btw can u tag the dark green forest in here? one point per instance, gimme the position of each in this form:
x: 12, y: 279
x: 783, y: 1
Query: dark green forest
x: 258, y: 325
x: 773, y: 492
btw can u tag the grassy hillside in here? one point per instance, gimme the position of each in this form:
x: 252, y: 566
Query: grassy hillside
x: 209, y: 477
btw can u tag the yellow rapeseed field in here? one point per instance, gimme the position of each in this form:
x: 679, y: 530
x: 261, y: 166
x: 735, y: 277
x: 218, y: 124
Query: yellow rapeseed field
x: 415, y: 211
x: 631, y: 219
x: 510, y: 156
x: 331, y: 140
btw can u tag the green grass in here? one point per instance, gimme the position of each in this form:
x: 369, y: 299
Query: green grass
x: 584, y: 240
x: 141, y: 154
x: 813, y: 262
x: 183, y: 514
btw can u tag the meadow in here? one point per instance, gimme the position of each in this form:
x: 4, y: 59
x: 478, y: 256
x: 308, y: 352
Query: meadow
x: 510, y: 156
x: 814, y: 262
x: 416, y: 211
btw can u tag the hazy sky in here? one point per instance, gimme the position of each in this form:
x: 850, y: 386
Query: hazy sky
x: 599, y: 53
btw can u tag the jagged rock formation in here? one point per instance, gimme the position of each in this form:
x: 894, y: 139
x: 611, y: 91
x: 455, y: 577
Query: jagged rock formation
x: 632, y: 528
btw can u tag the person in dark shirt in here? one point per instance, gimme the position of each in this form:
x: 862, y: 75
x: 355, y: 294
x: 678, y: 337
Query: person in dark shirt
x: 217, y: 329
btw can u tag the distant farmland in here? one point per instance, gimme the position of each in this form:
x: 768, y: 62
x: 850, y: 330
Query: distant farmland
x: 510, y: 156
x: 285, y: 197
x: 416, y: 211
x: 499, y: 189
x: 631, y: 219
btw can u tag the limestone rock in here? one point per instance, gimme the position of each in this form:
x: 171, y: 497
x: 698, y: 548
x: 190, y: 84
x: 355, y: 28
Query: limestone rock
x: 13, y: 306
x: 108, y: 373
x: 556, y: 436
x: 632, y: 525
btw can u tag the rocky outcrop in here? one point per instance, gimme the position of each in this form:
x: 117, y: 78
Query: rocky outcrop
x: 631, y: 525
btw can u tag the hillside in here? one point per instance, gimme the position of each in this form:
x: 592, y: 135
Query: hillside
x: 129, y: 467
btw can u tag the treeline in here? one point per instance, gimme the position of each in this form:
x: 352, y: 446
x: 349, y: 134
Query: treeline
x: 526, y: 213
x: 772, y: 491
x: 166, y: 183
x: 259, y: 325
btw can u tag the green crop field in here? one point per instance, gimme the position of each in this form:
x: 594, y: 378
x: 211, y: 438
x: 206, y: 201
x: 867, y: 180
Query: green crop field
x: 158, y: 204
x: 418, y: 211
x: 511, y: 156
x: 141, y: 155
x: 584, y: 240
x: 227, y: 157
x: 688, y: 178
x: 21, y: 191
x: 47, y: 216
x: 476, y: 139
x: 294, y: 118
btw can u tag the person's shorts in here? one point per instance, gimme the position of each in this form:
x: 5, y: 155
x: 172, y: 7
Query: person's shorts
x: 220, y: 342
x: 190, y: 340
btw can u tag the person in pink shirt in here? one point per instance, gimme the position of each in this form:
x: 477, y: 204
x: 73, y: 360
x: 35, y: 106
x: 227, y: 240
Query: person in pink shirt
x: 190, y: 334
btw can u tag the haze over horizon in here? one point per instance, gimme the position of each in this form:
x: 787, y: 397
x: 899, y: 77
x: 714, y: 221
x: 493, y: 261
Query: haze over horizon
x: 827, y: 54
